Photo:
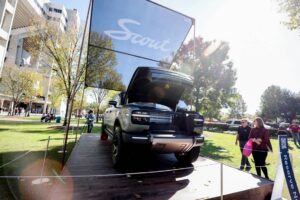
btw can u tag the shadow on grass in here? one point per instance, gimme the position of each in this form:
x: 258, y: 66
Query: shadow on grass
x: 61, y: 138
x: 210, y: 150
x: 45, y: 132
x: 4, y: 129
x: 12, y: 122
x: 30, y: 165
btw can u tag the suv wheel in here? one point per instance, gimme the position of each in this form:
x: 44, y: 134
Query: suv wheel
x: 117, y: 148
x: 188, y: 157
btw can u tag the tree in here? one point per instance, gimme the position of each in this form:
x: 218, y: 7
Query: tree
x: 277, y: 102
x: 292, y: 8
x: 101, y: 72
x: 101, y: 65
x: 56, y: 95
x: 214, y: 76
x: 61, y: 53
x: 78, y: 105
x: 19, y: 84
x: 238, y: 107
x: 98, y: 94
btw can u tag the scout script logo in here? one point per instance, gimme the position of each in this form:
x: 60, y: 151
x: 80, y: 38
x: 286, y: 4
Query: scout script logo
x: 126, y: 34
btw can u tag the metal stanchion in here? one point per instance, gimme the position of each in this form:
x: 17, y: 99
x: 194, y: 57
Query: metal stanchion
x: 41, y: 179
x: 221, y: 178
x: 62, y: 149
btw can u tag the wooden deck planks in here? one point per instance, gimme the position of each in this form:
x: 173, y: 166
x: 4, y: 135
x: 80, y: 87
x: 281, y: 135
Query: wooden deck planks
x: 200, y: 181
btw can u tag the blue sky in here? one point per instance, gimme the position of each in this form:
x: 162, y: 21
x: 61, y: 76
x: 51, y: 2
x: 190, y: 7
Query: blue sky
x: 80, y: 5
x: 264, y: 52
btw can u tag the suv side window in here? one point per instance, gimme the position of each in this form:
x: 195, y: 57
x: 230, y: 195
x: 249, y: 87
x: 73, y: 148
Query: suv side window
x: 237, y: 122
x: 228, y: 122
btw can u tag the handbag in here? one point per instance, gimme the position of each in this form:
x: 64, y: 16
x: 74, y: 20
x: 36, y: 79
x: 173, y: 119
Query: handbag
x: 248, y: 148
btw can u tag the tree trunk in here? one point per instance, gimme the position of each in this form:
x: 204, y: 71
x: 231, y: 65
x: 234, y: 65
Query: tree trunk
x: 67, y: 110
x: 197, y: 104
x: 97, y: 114
x: 13, y: 108
x: 68, y: 120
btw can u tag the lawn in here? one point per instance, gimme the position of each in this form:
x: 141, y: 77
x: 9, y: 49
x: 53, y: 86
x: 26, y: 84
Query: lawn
x: 27, y: 135
x: 221, y: 147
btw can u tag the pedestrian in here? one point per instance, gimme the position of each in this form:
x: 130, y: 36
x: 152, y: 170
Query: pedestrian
x: 294, y: 129
x: 90, y: 121
x: 43, y: 117
x: 242, y: 136
x: 48, y: 118
x: 261, y: 146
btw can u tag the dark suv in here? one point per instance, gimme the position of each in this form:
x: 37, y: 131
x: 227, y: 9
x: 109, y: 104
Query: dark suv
x: 148, y: 113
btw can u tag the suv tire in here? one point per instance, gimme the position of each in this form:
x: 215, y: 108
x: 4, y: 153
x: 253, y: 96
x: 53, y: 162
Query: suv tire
x: 188, y: 157
x: 118, y: 153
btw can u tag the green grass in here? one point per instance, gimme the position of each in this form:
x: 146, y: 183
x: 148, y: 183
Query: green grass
x: 221, y: 147
x: 21, y: 134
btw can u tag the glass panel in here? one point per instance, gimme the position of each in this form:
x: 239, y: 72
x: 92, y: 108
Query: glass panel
x: 110, y: 70
x: 141, y: 28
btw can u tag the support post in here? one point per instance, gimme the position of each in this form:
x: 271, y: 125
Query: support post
x: 72, y: 96
x: 221, y: 178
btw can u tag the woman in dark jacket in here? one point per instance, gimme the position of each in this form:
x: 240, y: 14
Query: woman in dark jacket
x: 261, y: 146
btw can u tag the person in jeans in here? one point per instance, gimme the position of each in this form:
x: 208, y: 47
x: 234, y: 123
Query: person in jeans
x: 90, y: 121
x: 261, y: 146
x: 242, y: 138
x: 294, y: 129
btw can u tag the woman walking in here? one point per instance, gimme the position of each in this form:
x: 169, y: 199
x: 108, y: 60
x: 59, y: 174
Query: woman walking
x: 261, y: 146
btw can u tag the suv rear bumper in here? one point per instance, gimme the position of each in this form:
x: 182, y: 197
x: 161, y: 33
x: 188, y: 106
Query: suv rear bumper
x: 165, y: 143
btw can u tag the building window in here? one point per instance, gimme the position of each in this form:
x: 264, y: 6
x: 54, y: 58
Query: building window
x: 50, y: 9
x: 57, y: 10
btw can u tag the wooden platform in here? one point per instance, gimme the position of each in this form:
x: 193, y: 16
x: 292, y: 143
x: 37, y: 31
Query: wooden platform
x: 92, y: 157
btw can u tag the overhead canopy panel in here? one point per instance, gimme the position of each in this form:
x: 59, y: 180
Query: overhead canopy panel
x: 131, y: 31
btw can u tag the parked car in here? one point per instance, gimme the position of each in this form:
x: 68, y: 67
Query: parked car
x: 284, y: 125
x: 272, y: 124
x: 151, y: 114
x: 233, y: 124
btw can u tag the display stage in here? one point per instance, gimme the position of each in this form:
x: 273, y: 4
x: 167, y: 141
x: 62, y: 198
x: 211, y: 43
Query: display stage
x: 93, y: 177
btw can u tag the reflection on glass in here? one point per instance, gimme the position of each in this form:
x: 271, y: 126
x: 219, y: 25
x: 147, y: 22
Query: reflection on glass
x: 139, y: 28
x: 110, y: 70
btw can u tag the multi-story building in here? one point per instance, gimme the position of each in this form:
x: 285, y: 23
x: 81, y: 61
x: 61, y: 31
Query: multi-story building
x: 15, y: 30
x: 7, y: 11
